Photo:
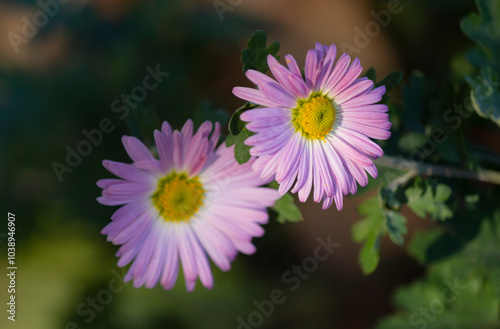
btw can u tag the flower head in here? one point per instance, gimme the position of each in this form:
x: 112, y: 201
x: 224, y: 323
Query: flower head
x: 315, y: 130
x: 194, y: 201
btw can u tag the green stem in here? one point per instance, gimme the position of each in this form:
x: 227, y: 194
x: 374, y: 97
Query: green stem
x: 417, y: 168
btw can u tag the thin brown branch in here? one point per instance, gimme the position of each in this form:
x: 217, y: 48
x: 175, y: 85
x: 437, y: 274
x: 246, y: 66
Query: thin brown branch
x: 417, y: 168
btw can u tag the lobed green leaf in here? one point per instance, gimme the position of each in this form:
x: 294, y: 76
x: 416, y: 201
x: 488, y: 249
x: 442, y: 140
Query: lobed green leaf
x: 255, y: 55
x: 287, y: 210
x: 425, y: 199
x: 241, y: 150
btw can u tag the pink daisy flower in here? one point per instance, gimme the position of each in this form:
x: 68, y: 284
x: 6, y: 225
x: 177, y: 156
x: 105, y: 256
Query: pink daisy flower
x: 194, y: 203
x: 317, y: 130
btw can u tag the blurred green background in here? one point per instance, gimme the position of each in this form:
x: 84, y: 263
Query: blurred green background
x: 66, y: 79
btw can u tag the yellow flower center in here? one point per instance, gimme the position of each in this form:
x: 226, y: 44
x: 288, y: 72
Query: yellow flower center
x: 178, y: 197
x: 314, y: 117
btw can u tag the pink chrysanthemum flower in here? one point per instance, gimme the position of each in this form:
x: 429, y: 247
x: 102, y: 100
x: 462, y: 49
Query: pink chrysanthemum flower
x: 317, y: 130
x: 194, y: 201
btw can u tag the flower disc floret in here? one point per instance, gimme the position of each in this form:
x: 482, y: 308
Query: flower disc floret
x: 314, y: 117
x: 178, y: 197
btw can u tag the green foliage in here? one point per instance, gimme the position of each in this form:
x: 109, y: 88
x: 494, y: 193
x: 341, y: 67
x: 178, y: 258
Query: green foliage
x: 382, y: 217
x: 421, y: 243
x: 431, y: 117
x: 287, y: 210
x: 235, y: 124
x: 425, y: 198
x: 369, y: 256
x: 369, y: 230
x: 485, y: 96
x: 484, y: 29
x: 396, y: 227
x: 459, y: 291
x: 378, y: 221
x: 391, y: 81
x: 255, y: 55
x: 411, y: 141
x: 465, y: 244
x: 241, y: 150
x: 440, y: 243
x: 371, y: 74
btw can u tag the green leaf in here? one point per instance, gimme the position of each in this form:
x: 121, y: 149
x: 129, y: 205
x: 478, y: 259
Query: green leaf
x: 495, y: 223
x: 369, y: 255
x: 373, y: 221
x: 484, y: 28
x: 485, y: 95
x: 241, y: 150
x: 230, y: 140
x: 371, y: 74
x: 287, y: 210
x: 396, y: 227
x: 424, y: 200
x: 411, y: 141
x: 392, y: 199
x: 394, y: 222
x: 391, y: 81
x: 369, y: 230
x: 235, y: 124
x: 421, y: 242
x: 465, y: 283
x: 377, y: 222
x: 255, y: 55
x: 436, y: 245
